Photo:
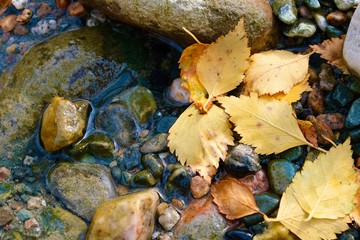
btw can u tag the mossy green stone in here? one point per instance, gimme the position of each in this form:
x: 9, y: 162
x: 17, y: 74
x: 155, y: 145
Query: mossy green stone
x: 6, y: 191
x: 154, y: 164
x: 57, y: 223
x: 285, y: 10
x: 280, y: 173
x: 292, y: 154
x: 144, y: 178
x: 141, y: 102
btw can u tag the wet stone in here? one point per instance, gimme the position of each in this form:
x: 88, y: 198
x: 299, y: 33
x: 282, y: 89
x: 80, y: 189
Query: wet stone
x: 97, y: 144
x: 30, y: 223
x: 335, y: 121
x: 63, y: 123
x: 301, y: 28
x: 4, y: 173
x: 242, y: 160
x: 327, y: 79
x: 355, y: 87
x: 323, y: 131
x: 165, y: 124
x: 6, y: 215
x: 117, y: 121
x: 153, y: 164
x: 239, y: 234
x: 58, y: 223
x: 345, y: 5
x: 81, y: 187
x: 157, y: 143
x: 24, y: 214
x: 337, y: 18
x: 178, y: 183
x: 285, y: 10
x: 320, y: 20
x: 267, y: 202
x: 353, y: 118
x: 200, y: 220
x: 140, y: 102
x: 34, y: 203
x: 131, y: 159
x: 280, y: 173
x: 332, y: 32
x: 312, y: 4
x: 143, y: 179
x: 292, y: 154
x: 257, y: 182
x: 199, y: 187
x: 355, y: 135
x: 168, y: 217
x: 130, y: 216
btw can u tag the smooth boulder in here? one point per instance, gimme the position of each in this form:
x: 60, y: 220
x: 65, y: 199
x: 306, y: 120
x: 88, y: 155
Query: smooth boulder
x: 206, y: 19
x: 351, y: 49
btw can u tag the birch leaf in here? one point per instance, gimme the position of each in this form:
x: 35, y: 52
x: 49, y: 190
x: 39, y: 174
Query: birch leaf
x: 200, y: 140
x: 276, y: 71
x: 234, y: 199
x: 325, y: 188
x: 268, y: 125
x: 221, y: 68
x: 187, y: 63
x: 355, y: 214
x: 332, y: 50
x: 292, y: 216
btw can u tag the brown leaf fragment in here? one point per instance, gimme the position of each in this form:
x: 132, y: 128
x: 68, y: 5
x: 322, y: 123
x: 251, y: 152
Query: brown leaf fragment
x: 308, y: 129
x: 316, y: 100
x: 258, y: 183
x: 335, y: 121
x: 331, y: 50
x: 234, y: 199
x: 323, y: 131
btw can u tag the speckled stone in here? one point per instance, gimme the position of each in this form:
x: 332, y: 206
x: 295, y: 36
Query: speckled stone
x: 353, y: 118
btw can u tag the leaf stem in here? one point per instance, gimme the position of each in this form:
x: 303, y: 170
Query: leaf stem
x: 192, y: 35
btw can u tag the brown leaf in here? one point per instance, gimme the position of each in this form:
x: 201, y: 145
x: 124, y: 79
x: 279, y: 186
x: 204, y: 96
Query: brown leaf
x: 234, y: 199
x: 307, y: 128
x: 331, y: 50
x: 323, y: 131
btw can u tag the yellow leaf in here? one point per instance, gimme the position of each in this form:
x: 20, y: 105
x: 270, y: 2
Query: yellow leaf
x: 276, y: 71
x: 332, y: 50
x: 295, y: 92
x: 355, y: 214
x: 292, y: 216
x: 234, y: 199
x: 199, y: 140
x: 221, y: 68
x: 325, y: 188
x: 268, y: 125
x: 188, y: 61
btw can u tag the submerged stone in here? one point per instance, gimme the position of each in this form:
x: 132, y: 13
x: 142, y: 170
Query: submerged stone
x: 63, y: 123
x: 157, y: 143
x: 81, y: 187
x: 353, y: 118
x: 57, y: 223
x: 76, y: 64
x: 144, y: 178
x: 154, y: 164
x: 130, y: 216
x: 97, y: 144
x: 140, y: 102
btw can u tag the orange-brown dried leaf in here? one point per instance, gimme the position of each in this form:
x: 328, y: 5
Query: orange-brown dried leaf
x: 308, y: 129
x: 187, y: 63
x: 234, y: 199
x: 331, y: 50
x: 324, y: 132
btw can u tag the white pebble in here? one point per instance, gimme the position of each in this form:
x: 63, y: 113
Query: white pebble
x: 19, y: 4
x: 98, y: 15
x: 28, y: 160
x: 178, y: 93
x: 169, y: 218
x: 92, y: 22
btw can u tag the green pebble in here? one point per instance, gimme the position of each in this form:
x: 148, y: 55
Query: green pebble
x: 280, y: 173
x: 292, y: 154
x: 353, y: 117
x: 312, y: 4
x: 342, y: 95
x: 24, y: 214
x: 285, y: 10
x: 332, y: 31
x: 355, y: 87
x: 345, y: 5
x: 154, y: 164
x: 143, y: 179
x: 301, y: 28
x: 267, y: 203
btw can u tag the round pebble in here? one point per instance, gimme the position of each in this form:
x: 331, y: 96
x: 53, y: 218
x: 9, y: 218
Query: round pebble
x: 199, y: 187
x: 336, y: 18
x: 19, y: 4
x: 168, y: 218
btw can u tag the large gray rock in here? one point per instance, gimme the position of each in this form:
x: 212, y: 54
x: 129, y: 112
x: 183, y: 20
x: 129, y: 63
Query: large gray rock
x: 81, y: 187
x: 206, y: 19
x: 351, y: 50
x: 76, y: 64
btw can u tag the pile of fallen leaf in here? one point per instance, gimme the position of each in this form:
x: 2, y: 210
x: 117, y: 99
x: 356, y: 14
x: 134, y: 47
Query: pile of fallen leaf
x: 322, y: 196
